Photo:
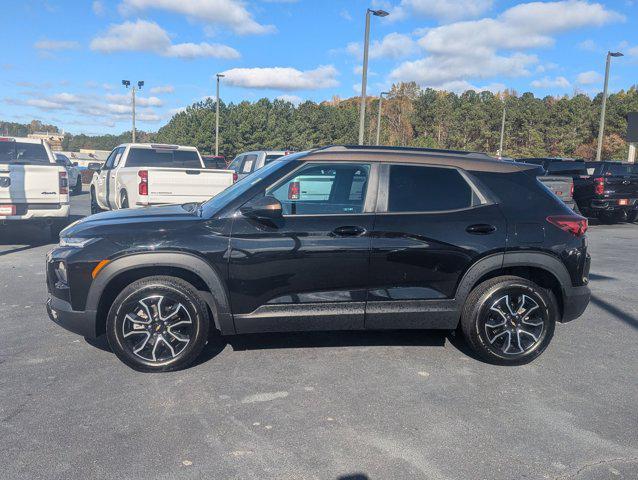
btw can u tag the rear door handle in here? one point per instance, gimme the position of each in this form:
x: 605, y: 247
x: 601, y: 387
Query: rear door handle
x: 481, y: 229
x: 348, y: 231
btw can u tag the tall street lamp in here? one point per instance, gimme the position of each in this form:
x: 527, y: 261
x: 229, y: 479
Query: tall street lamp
x: 127, y: 84
x: 379, y: 115
x: 601, y: 128
x: 219, y: 75
x: 364, y: 75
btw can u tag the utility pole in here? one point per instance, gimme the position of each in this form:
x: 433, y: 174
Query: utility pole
x: 364, y: 74
x: 219, y: 75
x: 601, y: 128
x: 379, y: 115
x: 127, y: 84
x: 500, y: 146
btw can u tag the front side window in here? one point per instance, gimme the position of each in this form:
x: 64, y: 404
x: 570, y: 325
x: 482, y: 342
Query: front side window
x: 328, y: 189
x: 427, y: 189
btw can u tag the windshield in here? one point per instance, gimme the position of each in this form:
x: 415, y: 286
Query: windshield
x: 222, y: 199
x: 23, y: 153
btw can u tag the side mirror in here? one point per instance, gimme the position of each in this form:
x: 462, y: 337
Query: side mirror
x: 265, y: 208
x: 75, y: 164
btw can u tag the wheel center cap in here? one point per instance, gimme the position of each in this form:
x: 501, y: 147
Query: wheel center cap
x: 158, y: 327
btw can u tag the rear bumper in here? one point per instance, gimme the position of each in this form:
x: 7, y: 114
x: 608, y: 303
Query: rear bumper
x: 611, y: 204
x: 40, y: 214
x: 80, y: 322
x: 575, y: 301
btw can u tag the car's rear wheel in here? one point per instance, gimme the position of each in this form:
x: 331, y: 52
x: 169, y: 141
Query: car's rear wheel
x: 123, y: 200
x: 95, y: 207
x: 77, y: 188
x: 509, y: 320
x: 158, y: 324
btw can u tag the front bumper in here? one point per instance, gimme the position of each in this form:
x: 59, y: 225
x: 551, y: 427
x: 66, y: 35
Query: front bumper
x: 80, y: 322
x: 575, y: 301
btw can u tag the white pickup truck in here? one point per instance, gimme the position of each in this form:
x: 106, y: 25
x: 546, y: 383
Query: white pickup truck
x: 139, y: 175
x: 33, y: 187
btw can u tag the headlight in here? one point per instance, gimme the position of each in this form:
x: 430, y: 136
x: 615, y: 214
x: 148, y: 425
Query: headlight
x: 60, y: 272
x: 76, y: 242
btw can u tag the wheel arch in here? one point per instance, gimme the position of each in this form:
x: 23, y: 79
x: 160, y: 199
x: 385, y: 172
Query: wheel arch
x: 195, y: 270
x: 543, y: 269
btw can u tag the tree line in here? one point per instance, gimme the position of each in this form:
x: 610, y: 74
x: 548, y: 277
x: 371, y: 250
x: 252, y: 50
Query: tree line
x: 564, y: 126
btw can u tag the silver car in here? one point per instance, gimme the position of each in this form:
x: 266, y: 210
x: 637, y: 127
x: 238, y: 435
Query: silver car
x: 246, y: 163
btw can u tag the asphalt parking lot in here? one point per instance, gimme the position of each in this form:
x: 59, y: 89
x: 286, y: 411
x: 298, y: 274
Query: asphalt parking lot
x: 325, y: 406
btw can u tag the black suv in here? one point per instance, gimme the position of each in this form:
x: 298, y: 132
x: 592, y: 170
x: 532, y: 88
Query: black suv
x: 336, y: 238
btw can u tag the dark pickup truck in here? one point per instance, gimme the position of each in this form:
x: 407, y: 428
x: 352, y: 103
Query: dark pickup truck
x: 558, y: 176
x: 608, y: 191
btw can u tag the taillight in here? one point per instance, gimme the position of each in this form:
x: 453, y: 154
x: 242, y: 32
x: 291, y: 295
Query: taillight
x: 293, y: 191
x: 235, y: 177
x: 64, y: 183
x: 574, y: 224
x: 571, y: 191
x: 599, y: 185
x: 143, y: 185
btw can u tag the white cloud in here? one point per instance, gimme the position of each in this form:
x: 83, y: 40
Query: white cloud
x: 56, y: 45
x: 124, y: 99
x: 587, y: 78
x: 44, y: 104
x: 294, y: 99
x: 98, y: 8
x: 441, y: 9
x: 162, y: 89
x: 282, y: 78
x: 145, y: 36
x: 203, y: 49
x: 551, y: 83
x: 473, y: 49
x: 230, y: 13
x: 460, y: 86
x: 393, y: 45
x: 633, y: 51
x: 345, y: 14
x: 588, y: 45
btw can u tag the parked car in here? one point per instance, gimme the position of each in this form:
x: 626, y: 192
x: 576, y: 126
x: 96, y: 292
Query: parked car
x: 72, y: 171
x: 216, y: 162
x: 140, y: 175
x: 404, y: 238
x: 608, y: 191
x: 559, y: 176
x: 246, y: 163
x: 33, y: 187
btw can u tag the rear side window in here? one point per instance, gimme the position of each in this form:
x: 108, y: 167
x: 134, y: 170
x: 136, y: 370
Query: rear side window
x: 23, y: 153
x: 567, y: 168
x: 158, y: 157
x: 248, y: 164
x: 427, y: 189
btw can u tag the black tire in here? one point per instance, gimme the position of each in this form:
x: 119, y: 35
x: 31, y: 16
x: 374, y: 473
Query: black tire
x: 152, y: 346
x: 632, y: 216
x: 95, y: 207
x: 613, y: 217
x: 526, y: 339
x: 124, y: 199
x: 77, y: 188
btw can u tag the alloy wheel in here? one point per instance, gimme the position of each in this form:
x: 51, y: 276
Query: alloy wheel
x: 514, y: 324
x: 156, y: 328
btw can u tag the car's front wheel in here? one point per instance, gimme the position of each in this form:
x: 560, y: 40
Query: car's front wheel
x: 158, y: 324
x: 95, y: 207
x: 509, y: 320
x: 77, y: 188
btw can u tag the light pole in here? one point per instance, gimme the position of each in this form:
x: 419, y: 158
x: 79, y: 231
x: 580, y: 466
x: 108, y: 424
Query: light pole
x: 219, y: 75
x: 364, y: 75
x: 379, y: 115
x: 500, y: 145
x: 127, y: 84
x: 601, y: 128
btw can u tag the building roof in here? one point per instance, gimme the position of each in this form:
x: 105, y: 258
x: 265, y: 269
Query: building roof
x: 474, y: 161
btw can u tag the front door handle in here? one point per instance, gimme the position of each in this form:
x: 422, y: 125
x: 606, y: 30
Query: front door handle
x: 481, y: 229
x: 348, y: 231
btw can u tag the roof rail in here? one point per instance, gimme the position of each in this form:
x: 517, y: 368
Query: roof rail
x: 405, y: 149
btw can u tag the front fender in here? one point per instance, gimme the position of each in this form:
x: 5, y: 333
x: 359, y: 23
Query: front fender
x: 217, y: 299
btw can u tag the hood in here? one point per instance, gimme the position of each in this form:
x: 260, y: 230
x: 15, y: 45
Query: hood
x: 129, y: 221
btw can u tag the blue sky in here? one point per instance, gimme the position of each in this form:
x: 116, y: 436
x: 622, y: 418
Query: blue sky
x: 63, y: 61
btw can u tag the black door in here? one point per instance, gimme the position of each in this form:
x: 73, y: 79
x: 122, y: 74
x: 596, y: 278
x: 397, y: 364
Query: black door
x: 309, y: 269
x: 432, y: 224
